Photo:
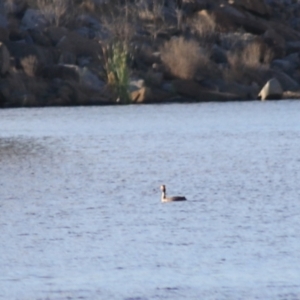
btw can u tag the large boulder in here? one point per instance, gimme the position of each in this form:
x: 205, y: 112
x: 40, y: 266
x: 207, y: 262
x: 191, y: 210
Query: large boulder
x: 244, y: 92
x: 194, y: 91
x: 271, y: 90
x: 4, y: 59
x: 288, y: 33
x: 287, y: 83
x: 64, y: 72
x: 283, y: 65
x: 3, y: 21
x: 151, y: 95
x: 55, y: 34
x: 4, y: 34
x: 38, y: 37
x: 33, y: 18
x: 79, y: 45
x: 228, y: 18
x: 218, y: 55
x: 44, y: 55
x: 89, y: 80
x: 254, y: 6
x: 292, y: 47
x: 276, y: 42
x: 82, y: 76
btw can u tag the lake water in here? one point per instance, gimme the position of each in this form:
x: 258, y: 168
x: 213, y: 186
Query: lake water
x: 80, y: 211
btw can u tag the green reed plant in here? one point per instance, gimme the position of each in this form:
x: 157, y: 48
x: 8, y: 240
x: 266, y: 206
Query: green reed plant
x: 116, y: 57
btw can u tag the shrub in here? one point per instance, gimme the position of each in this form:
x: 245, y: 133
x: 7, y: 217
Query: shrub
x: 183, y: 57
x: 249, y: 63
x: 56, y: 12
x: 204, y: 28
x: 152, y: 15
x: 30, y: 65
x: 116, y: 56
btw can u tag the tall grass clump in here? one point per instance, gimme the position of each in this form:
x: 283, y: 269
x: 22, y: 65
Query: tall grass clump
x: 115, y: 57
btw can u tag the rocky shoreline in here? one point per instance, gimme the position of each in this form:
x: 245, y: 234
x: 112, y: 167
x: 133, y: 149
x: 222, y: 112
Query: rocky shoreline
x: 61, y: 52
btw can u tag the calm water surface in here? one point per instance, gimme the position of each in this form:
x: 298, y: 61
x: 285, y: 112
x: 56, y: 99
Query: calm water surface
x: 81, y: 218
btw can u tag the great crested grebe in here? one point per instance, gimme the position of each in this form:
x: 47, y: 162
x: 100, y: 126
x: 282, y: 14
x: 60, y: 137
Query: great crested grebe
x: 164, y: 198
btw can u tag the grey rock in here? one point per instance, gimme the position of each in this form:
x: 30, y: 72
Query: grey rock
x: 271, y: 90
x: 136, y: 84
x: 33, y: 18
x: 89, y: 79
x: 4, y: 59
x: 287, y: 83
x: 218, y: 55
x: 282, y: 65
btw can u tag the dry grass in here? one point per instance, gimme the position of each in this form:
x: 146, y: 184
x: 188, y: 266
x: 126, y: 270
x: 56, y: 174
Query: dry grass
x: 183, y: 57
x: 153, y: 17
x: 119, y: 28
x: 57, y: 12
x: 204, y: 28
x: 117, y: 19
x: 30, y: 65
x: 249, y: 64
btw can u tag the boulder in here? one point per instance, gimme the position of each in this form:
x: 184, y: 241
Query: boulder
x: 45, y: 56
x: 136, y: 84
x: 150, y: 95
x: 294, y: 59
x: 39, y: 38
x: 244, y: 92
x: 4, y: 59
x: 287, y: 83
x: 4, y: 34
x: 292, y: 47
x: 282, y: 65
x: 55, y: 34
x: 271, y: 90
x: 218, y: 55
x: 254, y: 6
x: 33, y: 18
x: 67, y: 58
x: 229, y: 19
x: 89, y: 80
x: 140, y: 95
x: 191, y: 6
x: 65, y: 72
x: 2, y: 8
x: 276, y: 42
x: 153, y: 78
x: 83, y: 76
x: 288, y: 33
x: 194, y: 91
x: 79, y: 45
x: 3, y: 21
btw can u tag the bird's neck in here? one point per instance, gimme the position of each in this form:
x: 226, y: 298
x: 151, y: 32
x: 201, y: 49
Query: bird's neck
x: 163, y: 195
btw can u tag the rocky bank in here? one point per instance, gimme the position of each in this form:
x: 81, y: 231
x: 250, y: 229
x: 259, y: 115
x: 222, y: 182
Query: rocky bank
x: 54, y: 52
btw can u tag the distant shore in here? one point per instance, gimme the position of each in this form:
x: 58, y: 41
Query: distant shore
x: 93, y: 52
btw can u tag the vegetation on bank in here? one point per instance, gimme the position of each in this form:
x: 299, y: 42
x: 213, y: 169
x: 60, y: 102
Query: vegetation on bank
x: 84, y: 52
